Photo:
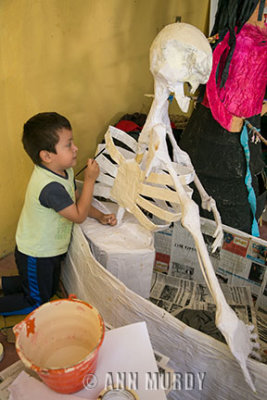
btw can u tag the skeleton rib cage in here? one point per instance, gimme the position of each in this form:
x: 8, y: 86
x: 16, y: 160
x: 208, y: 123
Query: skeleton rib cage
x: 151, y: 195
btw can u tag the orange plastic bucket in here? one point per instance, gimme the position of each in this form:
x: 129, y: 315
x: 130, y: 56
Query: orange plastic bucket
x: 60, y: 340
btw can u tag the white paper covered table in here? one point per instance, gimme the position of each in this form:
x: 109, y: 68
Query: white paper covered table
x: 125, y: 250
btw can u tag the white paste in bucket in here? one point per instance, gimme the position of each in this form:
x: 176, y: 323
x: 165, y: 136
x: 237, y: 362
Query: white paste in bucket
x: 66, y: 356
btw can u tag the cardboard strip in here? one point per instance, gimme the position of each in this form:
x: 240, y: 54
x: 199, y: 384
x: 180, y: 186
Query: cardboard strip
x: 161, y: 194
x: 187, y: 172
x: 153, y: 209
x: 162, y: 204
x: 102, y: 191
x: 161, y: 179
x: 123, y: 137
x: 112, y: 149
x: 128, y: 155
x: 105, y: 179
x: 177, y: 209
x: 106, y: 165
x: 145, y: 221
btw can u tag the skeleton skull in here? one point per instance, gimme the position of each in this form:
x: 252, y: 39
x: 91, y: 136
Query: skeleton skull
x: 180, y: 53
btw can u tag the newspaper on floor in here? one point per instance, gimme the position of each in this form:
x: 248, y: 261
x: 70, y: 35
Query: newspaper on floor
x: 173, y: 294
x: 238, y: 297
x: 241, y: 261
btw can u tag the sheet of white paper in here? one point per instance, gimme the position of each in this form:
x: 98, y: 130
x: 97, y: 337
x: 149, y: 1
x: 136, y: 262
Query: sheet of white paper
x: 26, y: 387
x: 126, y: 350
x: 125, y: 356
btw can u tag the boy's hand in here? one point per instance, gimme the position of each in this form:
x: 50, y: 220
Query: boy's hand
x: 108, y: 219
x: 92, y: 170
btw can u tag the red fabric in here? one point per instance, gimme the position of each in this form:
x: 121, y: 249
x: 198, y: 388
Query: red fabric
x: 128, y: 126
x: 243, y: 92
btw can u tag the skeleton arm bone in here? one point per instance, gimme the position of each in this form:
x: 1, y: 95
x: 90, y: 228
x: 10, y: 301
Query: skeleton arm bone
x: 179, y: 155
x: 209, y: 204
x: 191, y: 221
x: 237, y: 334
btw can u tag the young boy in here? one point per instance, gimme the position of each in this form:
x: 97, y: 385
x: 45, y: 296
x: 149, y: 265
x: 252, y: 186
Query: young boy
x: 51, y: 206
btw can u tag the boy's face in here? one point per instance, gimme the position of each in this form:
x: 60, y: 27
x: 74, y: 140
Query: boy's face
x: 66, y: 151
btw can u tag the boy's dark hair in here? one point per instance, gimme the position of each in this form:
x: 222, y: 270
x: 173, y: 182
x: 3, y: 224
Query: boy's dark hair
x: 41, y: 133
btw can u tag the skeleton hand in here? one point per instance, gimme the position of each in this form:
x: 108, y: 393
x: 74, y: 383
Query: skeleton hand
x: 218, y: 234
x: 240, y: 339
x: 209, y: 204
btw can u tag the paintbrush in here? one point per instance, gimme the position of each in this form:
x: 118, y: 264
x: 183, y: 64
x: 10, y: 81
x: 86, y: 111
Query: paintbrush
x: 83, y: 168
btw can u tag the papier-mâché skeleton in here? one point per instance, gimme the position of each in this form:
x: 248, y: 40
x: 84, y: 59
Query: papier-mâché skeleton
x: 147, y: 179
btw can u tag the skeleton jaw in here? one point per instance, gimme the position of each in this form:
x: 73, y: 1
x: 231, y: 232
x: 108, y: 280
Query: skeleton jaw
x: 182, y: 100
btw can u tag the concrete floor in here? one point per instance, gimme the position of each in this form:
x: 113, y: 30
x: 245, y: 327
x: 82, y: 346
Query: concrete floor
x: 8, y: 267
x: 10, y: 354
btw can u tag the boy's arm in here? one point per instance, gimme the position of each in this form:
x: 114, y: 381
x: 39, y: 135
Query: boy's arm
x: 78, y: 211
x: 105, y: 219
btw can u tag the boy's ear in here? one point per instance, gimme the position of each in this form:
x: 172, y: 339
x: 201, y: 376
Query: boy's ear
x: 45, y: 156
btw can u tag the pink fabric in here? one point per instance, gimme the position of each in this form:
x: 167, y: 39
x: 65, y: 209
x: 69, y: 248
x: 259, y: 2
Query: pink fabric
x: 243, y: 92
